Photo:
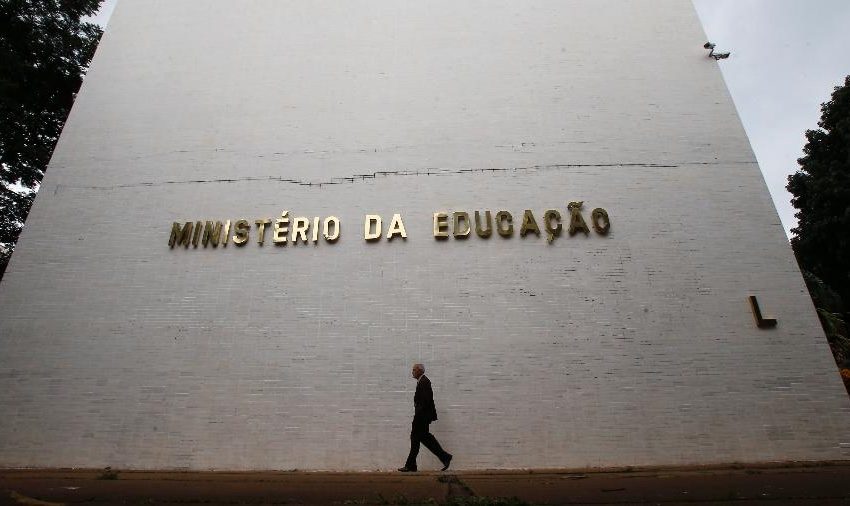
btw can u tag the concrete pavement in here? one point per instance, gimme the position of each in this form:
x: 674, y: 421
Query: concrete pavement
x: 774, y: 484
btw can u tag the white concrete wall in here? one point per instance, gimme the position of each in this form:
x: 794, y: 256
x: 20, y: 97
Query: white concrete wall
x: 635, y: 348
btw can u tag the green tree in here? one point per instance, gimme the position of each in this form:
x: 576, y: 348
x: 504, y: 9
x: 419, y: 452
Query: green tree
x: 45, y: 49
x: 821, y: 193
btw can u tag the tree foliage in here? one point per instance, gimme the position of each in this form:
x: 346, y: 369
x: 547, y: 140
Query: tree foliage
x: 821, y: 190
x: 821, y: 193
x: 830, y: 312
x: 45, y: 49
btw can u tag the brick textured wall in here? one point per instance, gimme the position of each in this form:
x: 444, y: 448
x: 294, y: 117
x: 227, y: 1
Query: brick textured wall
x: 633, y: 348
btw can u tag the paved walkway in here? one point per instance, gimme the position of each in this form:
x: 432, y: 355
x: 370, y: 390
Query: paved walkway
x: 824, y: 483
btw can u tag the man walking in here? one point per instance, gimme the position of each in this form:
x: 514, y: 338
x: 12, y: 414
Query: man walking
x: 426, y: 412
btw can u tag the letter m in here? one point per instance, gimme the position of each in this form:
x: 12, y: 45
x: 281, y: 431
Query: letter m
x: 180, y: 236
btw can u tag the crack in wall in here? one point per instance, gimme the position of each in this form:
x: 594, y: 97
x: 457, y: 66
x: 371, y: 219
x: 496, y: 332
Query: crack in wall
x: 517, y: 146
x: 389, y: 173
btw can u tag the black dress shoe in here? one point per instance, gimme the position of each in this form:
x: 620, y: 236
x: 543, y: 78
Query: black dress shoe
x: 406, y: 469
x: 447, y: 462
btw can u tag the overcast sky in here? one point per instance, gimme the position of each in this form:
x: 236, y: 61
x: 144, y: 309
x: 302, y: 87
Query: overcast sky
x: 787, y: 55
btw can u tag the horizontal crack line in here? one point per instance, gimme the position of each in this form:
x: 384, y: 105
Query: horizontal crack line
x: 388, y: 173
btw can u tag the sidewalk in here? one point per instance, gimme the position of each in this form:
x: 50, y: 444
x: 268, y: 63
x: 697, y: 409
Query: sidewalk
x: 821, y: 483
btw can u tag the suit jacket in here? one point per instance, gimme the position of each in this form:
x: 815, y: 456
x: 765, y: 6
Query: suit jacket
x: 423, y: 401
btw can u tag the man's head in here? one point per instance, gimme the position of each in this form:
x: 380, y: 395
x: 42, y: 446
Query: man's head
x: 418, y: 371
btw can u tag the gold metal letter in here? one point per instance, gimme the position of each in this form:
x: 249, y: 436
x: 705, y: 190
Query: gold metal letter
x: 226, y: 234
x: 483, y: 232
x: 241, y: 229
x: 396, y: 228
x: 261, y: 229
x: 299, y: 228
x: 441, y: 225
x: 199, y: 226
x: 503, y: 217
x: 460, y: 228
x: 315, y: 229
x: 761, y: 321
x: 552, y: 232
x: 577, y: 223
x: 281, y: 229
x: 212, y: 233
x: 180, y: 236
x: 529, y: 224
x: 327, y: 230
x: 597, y: 215
x: 372, y: 219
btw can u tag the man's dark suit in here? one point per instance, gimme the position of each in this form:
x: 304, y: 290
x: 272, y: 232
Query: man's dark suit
x: 426, y: 412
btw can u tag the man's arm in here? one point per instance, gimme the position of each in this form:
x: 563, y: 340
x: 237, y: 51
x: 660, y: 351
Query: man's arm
x: 423, y: 399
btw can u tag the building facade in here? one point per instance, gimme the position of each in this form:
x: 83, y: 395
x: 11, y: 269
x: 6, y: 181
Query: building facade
x: 614, y: 329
